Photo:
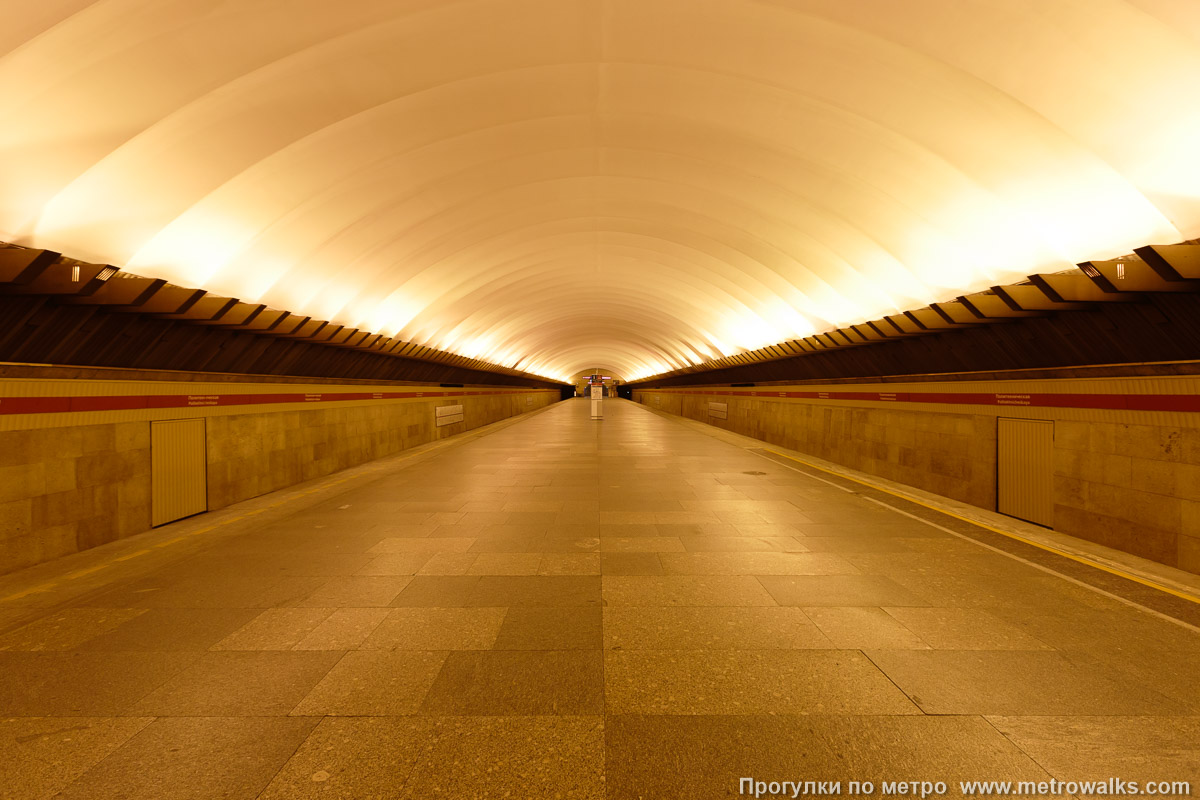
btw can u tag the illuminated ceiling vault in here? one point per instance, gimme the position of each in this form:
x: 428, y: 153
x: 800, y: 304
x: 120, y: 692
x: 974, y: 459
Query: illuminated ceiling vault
x: 630, y: 185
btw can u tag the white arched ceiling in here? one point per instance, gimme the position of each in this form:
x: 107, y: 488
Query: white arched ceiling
x: 560, y: 185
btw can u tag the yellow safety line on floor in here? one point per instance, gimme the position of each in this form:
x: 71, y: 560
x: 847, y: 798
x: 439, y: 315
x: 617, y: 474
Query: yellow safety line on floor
x: 1080, y: 559
x: 41, y: 587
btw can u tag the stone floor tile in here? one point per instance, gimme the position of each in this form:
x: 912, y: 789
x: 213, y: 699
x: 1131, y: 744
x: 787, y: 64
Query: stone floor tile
x: 437, y: 591
x: 1015, y: 683
x: 859, y: 544
x: 719, y: 529
x: 518, y: 683
x: 238, y: 684
x: 14, y: 617
x: 515, y: 543
x: 964, y: 629
x: 344, y: 629
x: 589, y: 518
x: 640, y: 544
x: 1169, y: 672
x: 742, y: 544
x: 356, y: 592
x: 275, y: 629
x: 533, y: 520
x: 351, y: 758
x: 373, y: 683
x: 165, y: 591
x: 1128, y: 634
x: 704, y: 757
x: 172, y: 629
x: 569, y: 564
x: 510, y: 756
x: 573, y: 628
x: 83, y: 684
x: 579, y: 540
x: 448, y: 564
x: 67, y: 629
x: 748, y: 682
x: 629, y: 530
x: 40, y: 756
x: 1130, y: 748
x: 282, y: 592
x: 459, y: 544
x: 684, y: 590
x: 198, y: 758
x: 756, y: 563
x: 861, y: 627
x: 437, y: 629
x: 630, y: 564
x: 1029, y: 595
x: 526, y: 506
x: 839, y: 590
x: 693, y: 628
x: 505, y: 564
x: 686, y: 518
x: 539, y: 590
x: 881, y: 528
x: 395, y: 564
x: 306, y: 564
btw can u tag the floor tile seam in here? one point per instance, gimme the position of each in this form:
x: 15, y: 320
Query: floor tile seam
x: 108, y: 755
x: 988, y: 720
x: 1044, y: 645
x: 152, y: 720
x: 805, y: 610
x: 285, y: 761
x: 313, y: 686
x: 890, y: 680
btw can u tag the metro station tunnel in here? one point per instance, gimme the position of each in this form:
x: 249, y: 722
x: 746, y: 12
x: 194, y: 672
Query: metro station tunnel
x: 599, y: 399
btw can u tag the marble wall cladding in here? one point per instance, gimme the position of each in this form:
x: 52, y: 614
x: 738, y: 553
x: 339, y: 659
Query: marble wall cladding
x: 953, y: 455
x: 252, y: 454
x: 1132, y: 487
x: 66, y: 489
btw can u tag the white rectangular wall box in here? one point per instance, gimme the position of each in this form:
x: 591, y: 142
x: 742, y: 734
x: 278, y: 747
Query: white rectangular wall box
x: 448, y: 415
x: 718, y: 410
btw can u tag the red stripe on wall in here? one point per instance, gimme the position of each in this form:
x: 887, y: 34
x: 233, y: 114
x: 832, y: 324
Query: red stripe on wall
x: 1115, y: 402
x: 61, y: 405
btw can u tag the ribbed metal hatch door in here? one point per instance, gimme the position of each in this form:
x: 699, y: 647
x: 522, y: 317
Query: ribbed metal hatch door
x: 1025, y: 469
x: 178, y: 469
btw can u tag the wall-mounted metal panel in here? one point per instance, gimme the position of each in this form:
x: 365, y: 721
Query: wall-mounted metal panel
x: 448, y: 415
x: 1025, y: 469
x: 718, y: 410
x: 178, y: 469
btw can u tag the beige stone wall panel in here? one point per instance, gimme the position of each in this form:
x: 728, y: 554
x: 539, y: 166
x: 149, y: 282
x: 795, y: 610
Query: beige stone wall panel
x: 1123, y: 478
x: 74, y: 480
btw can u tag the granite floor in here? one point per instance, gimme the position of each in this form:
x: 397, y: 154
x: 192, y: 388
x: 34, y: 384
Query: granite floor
x: 575, y: 609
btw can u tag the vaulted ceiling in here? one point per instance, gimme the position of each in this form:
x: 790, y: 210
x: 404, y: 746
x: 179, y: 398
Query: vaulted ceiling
x: 630, y: 185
